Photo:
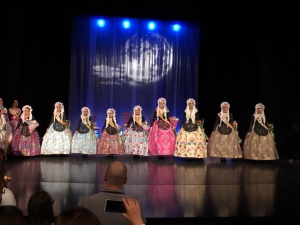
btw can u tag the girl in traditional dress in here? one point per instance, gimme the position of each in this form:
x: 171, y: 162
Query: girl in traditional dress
x: 190, y: 140
x: 224, y: 140
x: 162, y: 134
x: 14, y: 114
x: 110, y: 142
x: 259, y: 143
x: 135, y: 138
x: 57, y: 139
x: 2, y: 133
x: 26, y: 141
x: 84, y: 139
x: 5, y: 133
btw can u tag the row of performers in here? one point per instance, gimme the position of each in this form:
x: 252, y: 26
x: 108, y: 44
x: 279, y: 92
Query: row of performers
x: 161, y: 140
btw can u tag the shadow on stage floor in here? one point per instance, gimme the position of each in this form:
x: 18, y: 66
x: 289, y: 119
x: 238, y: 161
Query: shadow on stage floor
x: 170, y: 190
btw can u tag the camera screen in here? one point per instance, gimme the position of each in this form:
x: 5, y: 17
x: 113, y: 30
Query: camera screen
x: 115, y: 206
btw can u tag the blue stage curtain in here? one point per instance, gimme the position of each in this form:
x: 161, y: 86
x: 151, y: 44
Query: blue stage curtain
x: 114, y: 67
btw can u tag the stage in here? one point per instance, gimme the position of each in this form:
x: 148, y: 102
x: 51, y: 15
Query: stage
x: 172, y: 189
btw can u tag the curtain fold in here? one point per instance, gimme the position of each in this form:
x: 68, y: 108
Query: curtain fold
x: 114, y: 67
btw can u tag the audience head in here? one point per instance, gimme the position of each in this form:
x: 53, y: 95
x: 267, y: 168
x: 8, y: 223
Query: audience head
x: 40, y: 208
x: 11, y: 215
x: 77, y: 216
x: 116, y: 175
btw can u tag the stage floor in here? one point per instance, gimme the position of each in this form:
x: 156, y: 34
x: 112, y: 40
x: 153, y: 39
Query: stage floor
x: 168, y: 188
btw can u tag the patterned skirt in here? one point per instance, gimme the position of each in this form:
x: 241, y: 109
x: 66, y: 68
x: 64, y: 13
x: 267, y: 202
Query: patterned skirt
x: 110, y: 144
x: 55, y: 142
x: 161, y: 142
x: 2, y: 139
x: 224, y: 146
x: 190, y: 144
x: 258, y: 147
x: 26, y: 146
x: 84, y: 143
x: 135, y: 143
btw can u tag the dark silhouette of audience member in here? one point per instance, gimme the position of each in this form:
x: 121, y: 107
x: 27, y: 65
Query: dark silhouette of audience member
x: 40, y: 209
x: 115, y: 178
x: 11, y: 215
x: 77, y: 216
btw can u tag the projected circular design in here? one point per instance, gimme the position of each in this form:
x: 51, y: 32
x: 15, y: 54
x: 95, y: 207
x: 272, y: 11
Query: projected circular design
x: 145, y: 59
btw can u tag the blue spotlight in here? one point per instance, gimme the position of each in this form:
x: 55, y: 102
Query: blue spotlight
x: 126, y: 24
x: 101, y: 23
x: 151, y: 25
x: 176, y: 27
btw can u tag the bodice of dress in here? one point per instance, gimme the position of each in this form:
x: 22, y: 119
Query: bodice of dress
x: 57, y: 126
x: 135, y: 126
x: 23, y: 125
x: 223, y: 128
x: 110, y: 129
x: 82, y: 128
x: 161, y: 123
x: 190, y: 126
x: 14, y: 114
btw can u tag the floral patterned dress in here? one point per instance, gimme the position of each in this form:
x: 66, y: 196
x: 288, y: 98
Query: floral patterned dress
x: 24, y: 142
x: 190, y: 140
x: 57, y: 139
x: 110, y: 142
x: 259, y: 144
x: 224, y: 142
x: 135, y: 138
x: 84, y: 140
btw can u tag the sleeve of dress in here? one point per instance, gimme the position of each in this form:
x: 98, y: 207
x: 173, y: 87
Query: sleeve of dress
x: 52, y: 121
x: 197, y: 117
x: 168, y: 116
x: 78, y: 125
x: 19, y: 123
x: 183, y: 120
x: 64, y: 117
x: 230, y: 118
x: 153, y: 118
x: 104, y: 124
x: 129, y: 121
x: 216, y: 122
x: 143, y: 119
x: 251, y: 123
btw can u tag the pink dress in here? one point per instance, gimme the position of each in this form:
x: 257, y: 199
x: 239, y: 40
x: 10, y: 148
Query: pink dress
x: 162, y: 137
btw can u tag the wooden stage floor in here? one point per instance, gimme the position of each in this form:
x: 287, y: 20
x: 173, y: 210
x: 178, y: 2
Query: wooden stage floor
x: 172, y: 188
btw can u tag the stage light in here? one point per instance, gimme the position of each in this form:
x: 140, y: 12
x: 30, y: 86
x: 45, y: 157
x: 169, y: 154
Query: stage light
x: 151, y: 25
x: 126, y: 24
x: 101, y: 23
x: 176, y: 27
